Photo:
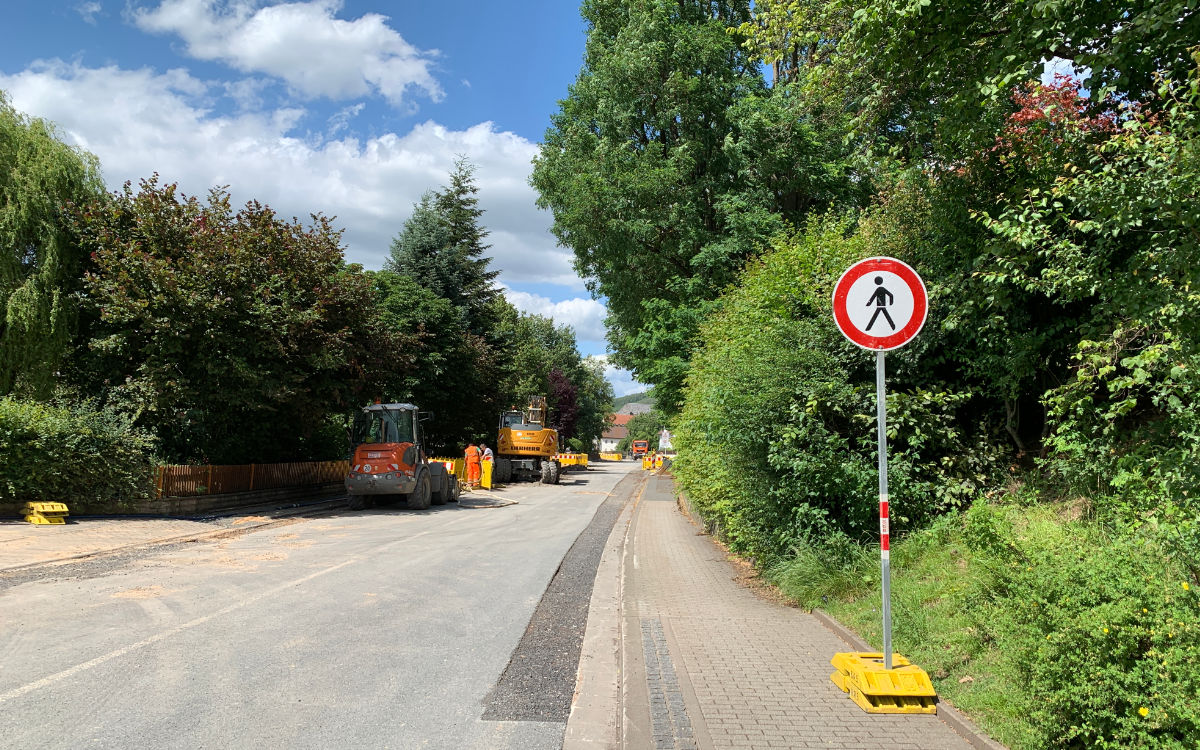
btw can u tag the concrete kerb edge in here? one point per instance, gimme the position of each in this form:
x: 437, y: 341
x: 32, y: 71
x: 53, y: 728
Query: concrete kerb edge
x: 946, y: 712
x: 595, y: 718
x: 285, y: 513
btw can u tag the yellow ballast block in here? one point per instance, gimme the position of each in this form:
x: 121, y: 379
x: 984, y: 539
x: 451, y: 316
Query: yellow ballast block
x: 46, y: 508
x: 45, y: 512
x: 40, y: 519
x: 903, y: 689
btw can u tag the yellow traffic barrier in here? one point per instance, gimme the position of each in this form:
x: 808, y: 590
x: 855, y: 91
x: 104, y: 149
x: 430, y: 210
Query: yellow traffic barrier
x: 612, y: 456
x: 46, y: 513
x: 485, y: 474
x: 571, y: 459
x: 903, y: 689
x: 456, y: 466
x: 647, y: 461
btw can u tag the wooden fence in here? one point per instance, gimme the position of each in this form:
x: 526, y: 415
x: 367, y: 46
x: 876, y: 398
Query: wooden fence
x: 188, y: 481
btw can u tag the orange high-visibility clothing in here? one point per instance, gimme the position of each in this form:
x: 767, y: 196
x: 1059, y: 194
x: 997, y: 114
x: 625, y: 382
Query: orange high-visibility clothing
x: 472, y: 454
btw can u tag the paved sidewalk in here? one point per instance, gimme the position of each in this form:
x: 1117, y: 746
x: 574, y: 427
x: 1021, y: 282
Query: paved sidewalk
x: 709, y: 664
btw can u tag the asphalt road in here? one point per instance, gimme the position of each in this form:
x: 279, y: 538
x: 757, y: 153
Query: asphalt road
x: 372, y: 629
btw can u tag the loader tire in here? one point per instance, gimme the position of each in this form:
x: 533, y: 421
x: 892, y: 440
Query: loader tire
x: 420, y: 497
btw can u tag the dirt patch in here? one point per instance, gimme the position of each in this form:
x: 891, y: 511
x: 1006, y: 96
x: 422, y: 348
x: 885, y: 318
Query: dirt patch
x: 747, y: 576
x: 269, y: 556
x: 250, y: 519
x: 286, y: 536
x: 141, y: 592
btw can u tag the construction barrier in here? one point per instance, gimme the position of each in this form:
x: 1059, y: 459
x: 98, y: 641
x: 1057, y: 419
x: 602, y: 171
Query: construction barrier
x: 46, y: 513
x: 188, y: 481
x: 612, y: 456
x: 647, y: 461
x: 485, y: 474
x: 572, y: 459
x: 456, y: 466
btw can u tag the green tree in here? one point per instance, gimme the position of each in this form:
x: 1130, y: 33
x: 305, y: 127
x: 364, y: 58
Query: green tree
x: 595, y: 400
x: 442, y: 246
x: 670, y: 164
x: 634, y: 171
x: 233, y: 337
x: 41, y: 261
x: 925, y: 76
x: 449, y: 363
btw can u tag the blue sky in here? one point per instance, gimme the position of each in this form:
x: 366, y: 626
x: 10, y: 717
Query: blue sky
x: 351, y: 109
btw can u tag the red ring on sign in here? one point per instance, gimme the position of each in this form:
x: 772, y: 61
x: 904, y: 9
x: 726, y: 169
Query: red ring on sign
x: 873, y: 265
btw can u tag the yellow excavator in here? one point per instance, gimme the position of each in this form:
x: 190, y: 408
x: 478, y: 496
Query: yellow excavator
x: 526, y: 447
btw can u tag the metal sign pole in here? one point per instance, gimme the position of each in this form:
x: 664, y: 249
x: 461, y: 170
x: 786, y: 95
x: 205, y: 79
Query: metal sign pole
x: 884, y: 531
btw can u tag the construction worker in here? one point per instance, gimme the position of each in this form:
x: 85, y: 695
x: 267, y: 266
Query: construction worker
x: 473, y: 455
x: 486, y: 452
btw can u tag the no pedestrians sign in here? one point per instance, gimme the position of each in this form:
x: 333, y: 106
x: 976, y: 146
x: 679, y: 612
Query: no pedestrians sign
x: 880, y: 303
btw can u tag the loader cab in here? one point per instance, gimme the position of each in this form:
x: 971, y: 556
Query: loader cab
x: 387, y: 423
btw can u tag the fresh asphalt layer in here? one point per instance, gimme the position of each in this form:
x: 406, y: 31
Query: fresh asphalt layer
x: 539, y: 682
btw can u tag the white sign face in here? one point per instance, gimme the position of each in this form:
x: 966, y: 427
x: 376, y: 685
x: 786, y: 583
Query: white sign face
x: 880, y: 304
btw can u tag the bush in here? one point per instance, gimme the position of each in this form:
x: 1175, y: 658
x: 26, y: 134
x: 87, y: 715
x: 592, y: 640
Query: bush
x: 74, y: 454
x: 1103, y: 627
x: 777, y: 441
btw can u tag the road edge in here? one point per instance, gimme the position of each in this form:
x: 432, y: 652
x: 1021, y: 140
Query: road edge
x: 595, y: 718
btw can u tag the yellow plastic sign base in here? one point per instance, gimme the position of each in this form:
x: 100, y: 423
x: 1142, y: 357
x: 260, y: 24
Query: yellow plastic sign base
x: 46, y: 513
x: 903, y: 689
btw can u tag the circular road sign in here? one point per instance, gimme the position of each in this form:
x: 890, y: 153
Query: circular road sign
x: 880, y: 303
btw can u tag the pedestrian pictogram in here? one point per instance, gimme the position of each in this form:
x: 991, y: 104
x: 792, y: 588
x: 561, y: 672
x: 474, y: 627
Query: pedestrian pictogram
x: 880, y: 303
x: 881, y: 298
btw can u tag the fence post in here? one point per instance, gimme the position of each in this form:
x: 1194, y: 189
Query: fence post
x: 251, y: 477
x: 208, y: 482
x: 158, y: 481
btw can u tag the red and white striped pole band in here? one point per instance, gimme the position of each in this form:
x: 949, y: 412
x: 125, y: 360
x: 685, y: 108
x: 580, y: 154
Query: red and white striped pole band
x: 884, y: 526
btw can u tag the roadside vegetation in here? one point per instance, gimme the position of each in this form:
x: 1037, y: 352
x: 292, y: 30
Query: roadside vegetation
x: 1040, y: 168
x: 145, y: 325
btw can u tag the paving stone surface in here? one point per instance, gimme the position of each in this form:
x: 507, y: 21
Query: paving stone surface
x: 759, y: 671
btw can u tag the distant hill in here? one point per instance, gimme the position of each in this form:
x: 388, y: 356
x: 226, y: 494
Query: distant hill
x: 645, y: 397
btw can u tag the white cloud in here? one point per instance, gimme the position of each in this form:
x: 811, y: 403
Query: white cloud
x: 1060, y: 66
x: 583, y: 314
x: 88, y: 12
x: 139, y: 122
x: 341, y: 120
x: 622, y: 380
x: 302, y: 43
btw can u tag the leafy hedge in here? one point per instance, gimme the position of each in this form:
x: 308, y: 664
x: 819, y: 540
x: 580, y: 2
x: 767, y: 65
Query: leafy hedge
x: 71, y: 453
x: 777, y: 436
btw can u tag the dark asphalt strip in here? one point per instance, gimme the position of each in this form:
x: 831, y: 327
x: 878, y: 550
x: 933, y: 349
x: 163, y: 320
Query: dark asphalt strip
x: 539, y: 681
